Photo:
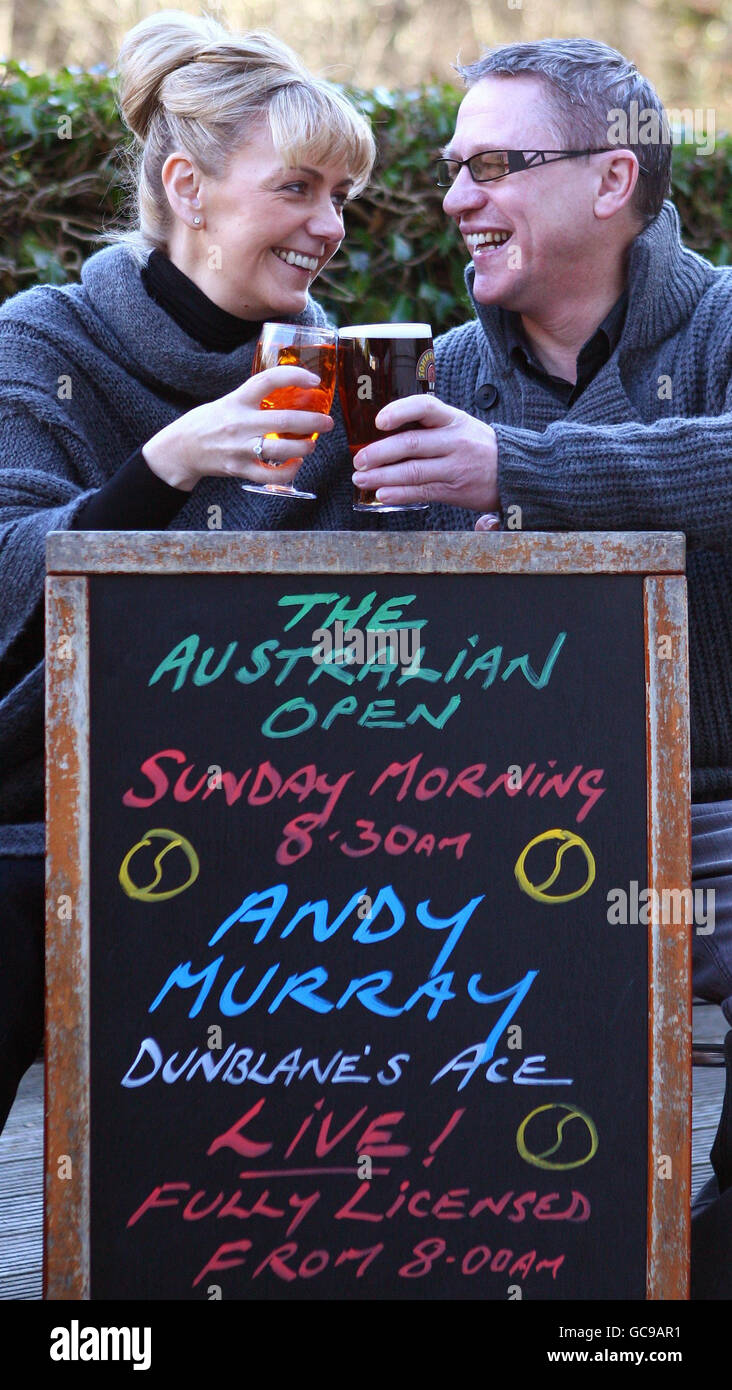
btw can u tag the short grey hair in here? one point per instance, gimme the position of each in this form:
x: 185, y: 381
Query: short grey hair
x: 586, y: 81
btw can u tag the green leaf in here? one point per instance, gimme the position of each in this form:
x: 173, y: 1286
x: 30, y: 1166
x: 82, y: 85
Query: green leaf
x: 359, y: 261
x: 401, y: 249
x: 23, y: 118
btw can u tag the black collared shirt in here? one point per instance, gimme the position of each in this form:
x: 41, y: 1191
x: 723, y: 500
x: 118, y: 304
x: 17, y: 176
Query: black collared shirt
x: 592, y: 356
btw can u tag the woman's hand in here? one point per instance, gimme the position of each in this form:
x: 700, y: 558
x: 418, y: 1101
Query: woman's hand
x: 217, y: 439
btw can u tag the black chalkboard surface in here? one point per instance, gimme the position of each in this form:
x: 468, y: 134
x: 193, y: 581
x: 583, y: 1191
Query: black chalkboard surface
x: 361, y: 1026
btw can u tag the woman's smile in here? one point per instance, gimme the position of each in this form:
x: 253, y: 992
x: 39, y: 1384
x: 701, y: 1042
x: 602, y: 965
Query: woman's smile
x: 297, y: 258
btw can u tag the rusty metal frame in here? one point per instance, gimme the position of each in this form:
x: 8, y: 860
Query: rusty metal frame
x: 73, y: 556
x: 285, y: 552
x: 66, y: 1207
x: 669, y: 963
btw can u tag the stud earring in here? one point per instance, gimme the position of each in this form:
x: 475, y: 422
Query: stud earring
x: 196, y: 221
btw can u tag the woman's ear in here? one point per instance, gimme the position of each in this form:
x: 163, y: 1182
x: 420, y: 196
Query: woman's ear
x: 181, y: 181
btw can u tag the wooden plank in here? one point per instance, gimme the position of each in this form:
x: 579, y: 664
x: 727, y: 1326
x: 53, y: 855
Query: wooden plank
x: 66, y: 1273
x: 195, y: 552
x: 669, y: 1011
x: 21, y: 1192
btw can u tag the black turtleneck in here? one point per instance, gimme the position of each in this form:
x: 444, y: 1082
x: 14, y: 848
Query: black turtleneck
x: 136, y: 499
x: 192, y: 310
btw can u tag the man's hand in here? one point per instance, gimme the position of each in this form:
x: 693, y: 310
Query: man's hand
x: 448, y: 457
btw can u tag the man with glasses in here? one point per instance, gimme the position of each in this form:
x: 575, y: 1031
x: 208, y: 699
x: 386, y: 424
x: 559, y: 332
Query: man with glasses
x: 593, y: 388
x: 598, y: 364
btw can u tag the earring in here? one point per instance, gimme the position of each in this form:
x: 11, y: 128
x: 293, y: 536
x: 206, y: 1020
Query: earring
x: 196, y: 221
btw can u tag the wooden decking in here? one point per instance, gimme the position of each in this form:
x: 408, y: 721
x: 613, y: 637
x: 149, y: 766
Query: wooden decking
x: 21, y: 1163
x: 21, y: 1192
x: 708, y: 1090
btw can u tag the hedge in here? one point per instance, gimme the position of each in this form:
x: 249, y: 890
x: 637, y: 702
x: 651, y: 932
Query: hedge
x: 62, y: 180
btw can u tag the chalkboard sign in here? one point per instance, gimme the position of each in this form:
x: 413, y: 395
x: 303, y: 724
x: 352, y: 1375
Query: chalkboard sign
x: 368, y: 974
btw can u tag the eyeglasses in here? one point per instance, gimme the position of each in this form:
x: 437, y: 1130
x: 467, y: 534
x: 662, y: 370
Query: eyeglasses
x: 497, y: 164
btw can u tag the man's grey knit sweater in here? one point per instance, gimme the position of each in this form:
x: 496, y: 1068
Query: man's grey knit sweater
x: 88, y: 374
x: 646, y: 446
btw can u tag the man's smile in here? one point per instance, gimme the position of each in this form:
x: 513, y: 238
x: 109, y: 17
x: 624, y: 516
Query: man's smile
x: 486, y: 242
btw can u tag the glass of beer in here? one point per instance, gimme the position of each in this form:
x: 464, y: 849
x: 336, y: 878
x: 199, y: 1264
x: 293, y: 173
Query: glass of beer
x: 294, y: 345
x: 378, y: 363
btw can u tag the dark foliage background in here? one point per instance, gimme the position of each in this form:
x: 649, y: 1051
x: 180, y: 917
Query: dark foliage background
x: 401, y: 258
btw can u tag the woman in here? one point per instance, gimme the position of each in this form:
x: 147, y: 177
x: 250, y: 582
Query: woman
x: 128, y: 401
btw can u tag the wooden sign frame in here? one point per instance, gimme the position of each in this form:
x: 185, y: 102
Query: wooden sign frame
x: 74, y: 556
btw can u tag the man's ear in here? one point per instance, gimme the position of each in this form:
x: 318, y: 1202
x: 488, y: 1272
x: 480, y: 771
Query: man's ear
x: 618, y: 172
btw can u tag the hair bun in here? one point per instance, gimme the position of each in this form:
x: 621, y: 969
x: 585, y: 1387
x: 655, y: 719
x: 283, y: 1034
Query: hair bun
x: 156, y: 47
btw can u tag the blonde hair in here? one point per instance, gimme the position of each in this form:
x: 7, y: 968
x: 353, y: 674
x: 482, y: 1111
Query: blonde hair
x: 189, y: 84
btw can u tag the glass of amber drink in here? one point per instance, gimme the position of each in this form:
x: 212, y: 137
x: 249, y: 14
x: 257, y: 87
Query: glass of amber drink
x: 294, y: 345
x: 378, y: 363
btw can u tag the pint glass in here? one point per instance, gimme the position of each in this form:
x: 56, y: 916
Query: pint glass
x: 294, y: 345
x: 378, y: 363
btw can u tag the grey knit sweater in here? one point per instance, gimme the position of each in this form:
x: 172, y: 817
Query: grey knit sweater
x: 646, y: 446
x: 89, y: 373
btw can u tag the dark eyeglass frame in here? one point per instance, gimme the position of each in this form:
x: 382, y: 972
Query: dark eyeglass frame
x: 516, y: 160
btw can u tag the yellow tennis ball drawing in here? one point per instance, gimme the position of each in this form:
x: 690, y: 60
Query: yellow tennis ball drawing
x: 149, y: 892
x: 570, y: 841
x: 546, y: 1158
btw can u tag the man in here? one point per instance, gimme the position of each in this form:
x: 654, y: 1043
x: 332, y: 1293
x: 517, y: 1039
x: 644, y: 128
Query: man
x: 591, y: 244
x: 593, y: 390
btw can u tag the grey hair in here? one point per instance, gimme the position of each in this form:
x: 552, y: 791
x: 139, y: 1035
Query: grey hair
x: 587, y: 84
x: 187, y: 83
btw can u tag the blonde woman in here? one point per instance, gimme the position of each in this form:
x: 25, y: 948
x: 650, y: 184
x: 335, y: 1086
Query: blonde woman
x: 127, y: 402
